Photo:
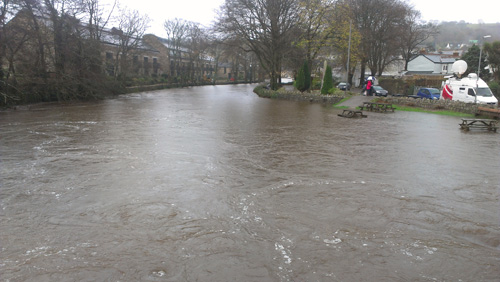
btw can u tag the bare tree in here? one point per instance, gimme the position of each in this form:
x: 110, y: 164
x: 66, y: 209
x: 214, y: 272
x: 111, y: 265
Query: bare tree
x: 266, y: 26
x: 346, y: 41
x: 96, y: 18
x: 315, y: 27
x: 27, y: 51
x: 215, y: 51
x: 379, y: 23
x: 414, y: 33
x: 131, y: 28
x: 197, y: 45
x: 7, y: 50
x: 5, y: 10
x: 177, y: 35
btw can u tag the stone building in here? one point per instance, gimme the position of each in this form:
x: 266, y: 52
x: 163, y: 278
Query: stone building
x: 142, y: 59
x: 119, y: 55
x: 179, y: 60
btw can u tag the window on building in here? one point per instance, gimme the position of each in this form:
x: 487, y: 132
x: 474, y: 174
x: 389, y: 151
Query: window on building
x: 146, y: 65
x: 155, y: 65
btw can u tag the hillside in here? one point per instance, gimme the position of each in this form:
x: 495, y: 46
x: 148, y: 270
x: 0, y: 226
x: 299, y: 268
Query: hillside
x: 455, y: 34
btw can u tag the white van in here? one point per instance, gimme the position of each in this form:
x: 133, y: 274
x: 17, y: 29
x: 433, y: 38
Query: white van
x: 470, y: 89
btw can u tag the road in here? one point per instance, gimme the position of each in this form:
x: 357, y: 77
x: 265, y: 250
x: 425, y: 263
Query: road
x: 356, y: 100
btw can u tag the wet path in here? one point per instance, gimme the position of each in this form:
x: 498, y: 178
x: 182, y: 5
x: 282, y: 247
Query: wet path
x: 216, y: 184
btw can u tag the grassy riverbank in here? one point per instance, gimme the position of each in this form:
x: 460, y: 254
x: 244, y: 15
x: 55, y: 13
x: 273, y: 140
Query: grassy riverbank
x: 413, y: 106
x: 438, y: 112
x: 353, y: 100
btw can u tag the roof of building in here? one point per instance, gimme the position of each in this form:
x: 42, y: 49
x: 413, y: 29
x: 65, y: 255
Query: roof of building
x: 438, y: 58
x: 108, y: 36
x: 421, y: 73
x: 112, y: 37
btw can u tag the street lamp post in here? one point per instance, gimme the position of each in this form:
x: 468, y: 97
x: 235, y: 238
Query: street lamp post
x: 479, y: 65
x: 480, y: 54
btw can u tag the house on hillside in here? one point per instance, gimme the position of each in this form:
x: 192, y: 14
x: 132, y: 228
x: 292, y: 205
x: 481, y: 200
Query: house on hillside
x: 432, y: 64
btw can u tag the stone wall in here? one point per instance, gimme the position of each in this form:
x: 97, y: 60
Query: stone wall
x: 298, y: 96
x: 456, y: 106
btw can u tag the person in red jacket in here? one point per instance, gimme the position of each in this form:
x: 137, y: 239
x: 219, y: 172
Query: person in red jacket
x: 369, y: 85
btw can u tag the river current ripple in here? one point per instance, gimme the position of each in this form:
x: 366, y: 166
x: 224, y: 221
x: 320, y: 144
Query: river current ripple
x: 216, y: 184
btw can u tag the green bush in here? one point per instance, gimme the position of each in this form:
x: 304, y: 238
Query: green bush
x: 327, y: 81
x: 334, y: 90
x: 495, y: 88
x: 307, y: 75
x: 410, y: 90
x: 300, y: 81
x: 316, y: 83
x: 303, y: 81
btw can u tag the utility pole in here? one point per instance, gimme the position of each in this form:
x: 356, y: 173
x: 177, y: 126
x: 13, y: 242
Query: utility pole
x: 479, y: 65
x: 349, y: 52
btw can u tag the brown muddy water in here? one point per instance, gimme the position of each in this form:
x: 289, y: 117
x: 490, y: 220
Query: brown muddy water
x: 215, y: 184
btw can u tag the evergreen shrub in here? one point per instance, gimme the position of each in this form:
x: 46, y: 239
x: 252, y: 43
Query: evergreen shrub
x: 327, y: 81
x: 303, y: 81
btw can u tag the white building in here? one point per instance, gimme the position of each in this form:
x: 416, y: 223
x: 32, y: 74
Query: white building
x: 438, y: 64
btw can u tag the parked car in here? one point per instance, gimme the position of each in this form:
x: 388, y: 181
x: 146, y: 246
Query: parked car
x: 429, y: 93
x: 379, y: 91
x: 344, y: 86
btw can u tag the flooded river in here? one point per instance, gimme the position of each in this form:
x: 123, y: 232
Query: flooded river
x: 216, y: 184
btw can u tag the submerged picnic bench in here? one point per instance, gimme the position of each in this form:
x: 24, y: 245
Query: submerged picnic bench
x: 377, y: 107
x: 489, y: 124
x: 484, y: 111
x: 348, y: 113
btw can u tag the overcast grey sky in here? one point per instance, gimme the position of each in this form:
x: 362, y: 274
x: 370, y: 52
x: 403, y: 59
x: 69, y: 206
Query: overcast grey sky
x: 203, y: 11
x: 472, y: 11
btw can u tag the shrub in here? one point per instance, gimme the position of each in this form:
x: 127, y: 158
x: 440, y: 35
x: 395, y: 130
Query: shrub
x: 300, y: 81
x: 495, y: 88
x: 411, y: 88
x: 327, y: 81
x: 316, y: 83
x: 334, y: 90
x: 307, y: 73
x: 303, y: 81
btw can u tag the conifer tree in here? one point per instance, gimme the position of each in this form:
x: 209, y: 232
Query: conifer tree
x: 299, y: 81
x: 307, y: 76
x: 303, y: 81
x: 327, y: 81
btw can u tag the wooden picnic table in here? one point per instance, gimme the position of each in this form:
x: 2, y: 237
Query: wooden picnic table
x: 489, y: 124
x: 378, y: 107
x: 491, y: 112
x: 351, y: 113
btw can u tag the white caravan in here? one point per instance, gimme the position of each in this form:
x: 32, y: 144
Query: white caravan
x: 470, y: 89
